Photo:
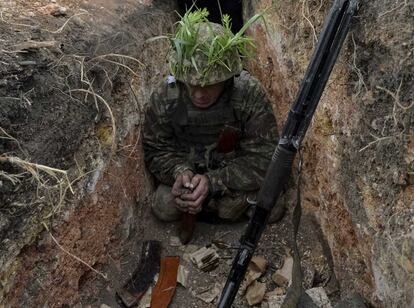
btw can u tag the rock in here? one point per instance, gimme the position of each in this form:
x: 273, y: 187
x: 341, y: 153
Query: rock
x: 319, y: 297
x: 49, y: 9
x: 209, y: 295
x: 255, y: 293
x: 273, y: 300
x: 258, y: 263
x: 275, y: 293
x: 63, y: 11
x: 248, y: 279
x: 54, y: 10
x: 284, y: 273
x: 182, y: 276
x: 280, y: 280
x: 257, y: 267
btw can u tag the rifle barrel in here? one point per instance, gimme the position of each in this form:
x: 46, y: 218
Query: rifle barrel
x: 330, y: 41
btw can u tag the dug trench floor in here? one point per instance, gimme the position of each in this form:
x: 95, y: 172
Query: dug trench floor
x: 275, y: 245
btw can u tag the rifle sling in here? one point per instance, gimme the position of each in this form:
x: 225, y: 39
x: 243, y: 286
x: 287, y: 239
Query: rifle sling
x: 296, y: 295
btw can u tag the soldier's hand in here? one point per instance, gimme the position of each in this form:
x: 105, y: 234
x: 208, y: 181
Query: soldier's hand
x: 194, y: 201
x: 182, y: 183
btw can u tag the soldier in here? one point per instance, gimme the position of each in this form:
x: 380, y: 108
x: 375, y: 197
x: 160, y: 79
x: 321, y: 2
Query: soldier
x: 209, y: 134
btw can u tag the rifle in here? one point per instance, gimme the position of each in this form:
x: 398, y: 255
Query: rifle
x: 330, y: 41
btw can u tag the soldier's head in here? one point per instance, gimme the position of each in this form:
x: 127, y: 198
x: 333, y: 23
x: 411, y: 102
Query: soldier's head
x: 205, y: 55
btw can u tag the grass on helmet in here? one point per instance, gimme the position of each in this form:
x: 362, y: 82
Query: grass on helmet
x: 185, y: 43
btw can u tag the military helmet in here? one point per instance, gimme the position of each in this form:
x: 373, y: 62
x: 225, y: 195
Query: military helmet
x: 205, y: 62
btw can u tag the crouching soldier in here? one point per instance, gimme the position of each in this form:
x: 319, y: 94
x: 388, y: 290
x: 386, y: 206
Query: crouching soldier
x: 210, y: 131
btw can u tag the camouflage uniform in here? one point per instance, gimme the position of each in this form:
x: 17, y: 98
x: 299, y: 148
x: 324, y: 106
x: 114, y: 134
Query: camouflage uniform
x: 178, y: 136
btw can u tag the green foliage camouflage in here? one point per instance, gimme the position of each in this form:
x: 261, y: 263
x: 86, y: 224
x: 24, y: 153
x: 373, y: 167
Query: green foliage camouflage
x: 204, y: 53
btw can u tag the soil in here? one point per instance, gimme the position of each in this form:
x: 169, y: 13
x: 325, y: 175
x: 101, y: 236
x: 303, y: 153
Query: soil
x: 71, y: 69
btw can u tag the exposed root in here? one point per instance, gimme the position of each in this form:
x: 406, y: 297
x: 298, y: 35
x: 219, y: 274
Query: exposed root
x: 397, y: 7
x: 397, y: 103
x: 7, y: 136
x: 119, y: 56
x: 13, y: 178
x: 66, y: 22
x: 315, y: 37
x: 104, y: 276
x: 377, y: 139
x: 35, y: 170
x: 361, y: 82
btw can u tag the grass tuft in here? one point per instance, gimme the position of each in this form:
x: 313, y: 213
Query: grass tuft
x: 185, y: 43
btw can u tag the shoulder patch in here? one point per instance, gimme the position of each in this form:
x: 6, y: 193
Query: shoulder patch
x: 172, y: 88
x: 170, y: 79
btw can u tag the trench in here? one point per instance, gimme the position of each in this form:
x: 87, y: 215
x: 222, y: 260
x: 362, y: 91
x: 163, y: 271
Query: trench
x: 103, y: 223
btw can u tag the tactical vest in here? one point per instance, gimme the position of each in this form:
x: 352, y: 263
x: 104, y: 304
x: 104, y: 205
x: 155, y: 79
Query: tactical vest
x: 197, y: 130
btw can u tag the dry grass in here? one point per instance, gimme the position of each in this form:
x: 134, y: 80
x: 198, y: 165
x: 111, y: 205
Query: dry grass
x: 104, y: 276
x: 397, y: 103
x: 57, y: 31
x: 48, y: 180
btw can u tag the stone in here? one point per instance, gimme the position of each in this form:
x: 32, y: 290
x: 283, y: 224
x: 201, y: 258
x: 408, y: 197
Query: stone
x: 259, y: 263
x: 182, y: 276
x: 280, y: 280
x: 255, y: 293
x: 284, y: 273
x: 209, y: 295
x: 275, y: 293
x: 319, y: 297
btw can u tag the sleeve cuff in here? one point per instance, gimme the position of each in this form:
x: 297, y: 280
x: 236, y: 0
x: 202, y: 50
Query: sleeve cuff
x: 216, y: 185
x: 180, y: 169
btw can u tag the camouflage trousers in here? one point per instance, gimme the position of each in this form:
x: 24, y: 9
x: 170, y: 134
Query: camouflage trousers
x: 231, y: 206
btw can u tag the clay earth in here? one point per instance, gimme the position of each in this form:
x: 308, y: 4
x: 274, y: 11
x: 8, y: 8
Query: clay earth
x: 75, y: 77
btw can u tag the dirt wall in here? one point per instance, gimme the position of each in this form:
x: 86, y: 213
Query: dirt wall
x: 74, y: 78
x: 359, y: 149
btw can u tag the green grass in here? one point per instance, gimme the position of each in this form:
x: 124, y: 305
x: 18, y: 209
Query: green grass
x: 219, y: 49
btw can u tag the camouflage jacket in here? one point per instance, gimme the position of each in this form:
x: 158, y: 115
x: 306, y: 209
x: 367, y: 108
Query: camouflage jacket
x: 179, y: 136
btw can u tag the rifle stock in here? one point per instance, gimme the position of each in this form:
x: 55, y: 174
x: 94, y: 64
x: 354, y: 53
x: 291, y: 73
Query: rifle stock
x: 332, y: 36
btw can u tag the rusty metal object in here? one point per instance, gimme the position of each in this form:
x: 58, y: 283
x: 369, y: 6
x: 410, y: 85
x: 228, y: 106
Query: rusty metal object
x: 149, y: 262
x: 164, y: 290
